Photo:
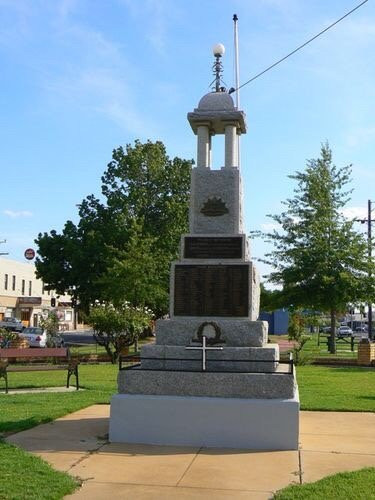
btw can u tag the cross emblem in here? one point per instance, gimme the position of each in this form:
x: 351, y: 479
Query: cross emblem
x: 204, y: 349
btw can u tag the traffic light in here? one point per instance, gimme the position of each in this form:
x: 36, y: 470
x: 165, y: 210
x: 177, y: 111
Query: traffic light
x: 53, y: 302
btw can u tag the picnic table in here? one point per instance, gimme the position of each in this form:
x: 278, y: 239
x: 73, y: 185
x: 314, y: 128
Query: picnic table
x: 325, y: 338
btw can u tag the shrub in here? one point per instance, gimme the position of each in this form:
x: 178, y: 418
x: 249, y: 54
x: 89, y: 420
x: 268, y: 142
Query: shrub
x: 51, y: 325
x: 7, y: 336
x: 296, y: 333
x: 118, y: 327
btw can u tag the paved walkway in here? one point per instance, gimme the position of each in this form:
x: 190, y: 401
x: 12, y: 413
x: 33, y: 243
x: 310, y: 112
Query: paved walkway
x: 330, y: 442
x: 285, y: 345
x: 40, y: 389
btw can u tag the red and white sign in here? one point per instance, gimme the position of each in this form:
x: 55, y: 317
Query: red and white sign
x: 29, y: 254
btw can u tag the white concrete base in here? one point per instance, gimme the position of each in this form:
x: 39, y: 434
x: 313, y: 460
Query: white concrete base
x: 256, y: 424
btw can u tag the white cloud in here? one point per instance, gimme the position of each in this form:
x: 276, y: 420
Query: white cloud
x: 354, y: 212
x: 20, y: 213
x: 93, y: 75
x: 65, y: 8
x: 156, y: 15
x: 90, y: 43
x: 97, y: 77
x: 14, y: 21
x: 103, y: 91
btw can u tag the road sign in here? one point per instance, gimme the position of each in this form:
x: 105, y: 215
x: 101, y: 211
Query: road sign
x: 29, y: 254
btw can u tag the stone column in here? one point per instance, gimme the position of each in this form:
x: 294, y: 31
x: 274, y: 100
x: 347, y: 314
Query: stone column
x: 210, y: 151
x: 231, y: 145
x: 203, y: 146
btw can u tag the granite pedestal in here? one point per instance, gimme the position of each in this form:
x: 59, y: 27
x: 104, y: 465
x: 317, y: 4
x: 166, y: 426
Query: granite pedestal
x: 257, y: 424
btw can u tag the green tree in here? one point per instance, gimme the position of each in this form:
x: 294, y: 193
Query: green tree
x: 145, y: 205
x: 319, y: 259
x: 50, y: 323
x: 73, y: 260
x: 138, y: 273
x: 117, y: 328
x: 270, y: 300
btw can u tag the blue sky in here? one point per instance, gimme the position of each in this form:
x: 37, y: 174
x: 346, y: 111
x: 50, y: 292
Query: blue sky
x: 81, y: 77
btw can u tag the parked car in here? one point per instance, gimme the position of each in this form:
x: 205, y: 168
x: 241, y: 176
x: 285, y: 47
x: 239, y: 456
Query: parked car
x: 325, y: 329
x: 362, y: 328
x: 344, y: 331
x: 37, y: 337
x: 12, y: 324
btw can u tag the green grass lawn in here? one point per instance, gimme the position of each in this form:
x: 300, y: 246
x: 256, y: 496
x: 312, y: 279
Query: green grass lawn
x: 97, y: 349
x: 343, y: 349
x: 87, y: 349
x: 358, y: 485
x: 336, y: 388
x: 22, y: 411
x: 316, y: 351
x: 24, y: 476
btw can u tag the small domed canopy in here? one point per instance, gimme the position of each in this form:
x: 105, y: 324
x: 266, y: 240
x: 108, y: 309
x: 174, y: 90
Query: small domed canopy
x: 216, y: 110
x: 216, y: 101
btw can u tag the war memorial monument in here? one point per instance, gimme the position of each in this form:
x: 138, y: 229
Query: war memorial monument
x: 211, y: 378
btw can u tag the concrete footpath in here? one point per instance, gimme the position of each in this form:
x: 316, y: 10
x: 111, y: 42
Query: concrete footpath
x: 77, y: 443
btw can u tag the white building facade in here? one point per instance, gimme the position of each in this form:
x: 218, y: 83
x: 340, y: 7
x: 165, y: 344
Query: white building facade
x: 23, y: 296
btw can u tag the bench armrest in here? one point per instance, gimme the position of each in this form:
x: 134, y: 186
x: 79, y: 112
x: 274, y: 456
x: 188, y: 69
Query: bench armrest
x: 3, y: 366
x: 73, y: 362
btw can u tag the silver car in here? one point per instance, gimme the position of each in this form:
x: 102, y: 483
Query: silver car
x: 37, y: 337
x: 12, y: 324
x: 344, y: 331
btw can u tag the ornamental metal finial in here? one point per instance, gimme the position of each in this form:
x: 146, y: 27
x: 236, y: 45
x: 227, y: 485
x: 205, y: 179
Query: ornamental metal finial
x: 219, y: 51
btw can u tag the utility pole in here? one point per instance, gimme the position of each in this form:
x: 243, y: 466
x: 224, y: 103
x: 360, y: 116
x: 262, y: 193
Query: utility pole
x: 369, y: 221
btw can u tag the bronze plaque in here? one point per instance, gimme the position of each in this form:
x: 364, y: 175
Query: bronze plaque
x: 221, y: 290
x: 210, y: 247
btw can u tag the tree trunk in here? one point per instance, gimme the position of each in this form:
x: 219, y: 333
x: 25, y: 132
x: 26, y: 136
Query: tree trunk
x: 111, y: 354
x: 332, y: 345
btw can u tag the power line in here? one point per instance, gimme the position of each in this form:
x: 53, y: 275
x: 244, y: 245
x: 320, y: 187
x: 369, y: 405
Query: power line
x: 298, y: 48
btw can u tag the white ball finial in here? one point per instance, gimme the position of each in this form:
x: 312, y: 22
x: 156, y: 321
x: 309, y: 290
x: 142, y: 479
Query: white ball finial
x: 218, y: 49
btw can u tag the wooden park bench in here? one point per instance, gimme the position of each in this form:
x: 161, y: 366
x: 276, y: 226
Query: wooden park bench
x: 60, y: 356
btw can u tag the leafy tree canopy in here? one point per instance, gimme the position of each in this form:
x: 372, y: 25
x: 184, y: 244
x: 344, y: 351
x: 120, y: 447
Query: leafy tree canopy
x: 117, y: 328
x: 270, y: 300
x: 131, y: 236
x: 319, y: 259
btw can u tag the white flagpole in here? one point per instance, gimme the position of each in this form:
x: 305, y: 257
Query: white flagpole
x: 237, y: 78
x: 236, y: 60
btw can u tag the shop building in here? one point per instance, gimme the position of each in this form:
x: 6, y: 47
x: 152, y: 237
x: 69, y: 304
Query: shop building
x: 23, y: 296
